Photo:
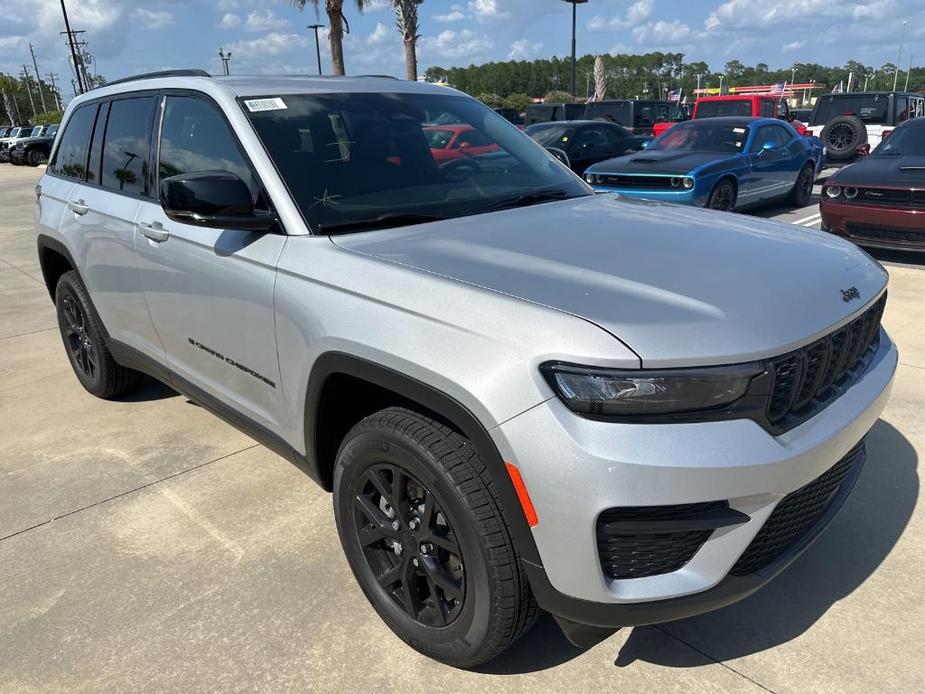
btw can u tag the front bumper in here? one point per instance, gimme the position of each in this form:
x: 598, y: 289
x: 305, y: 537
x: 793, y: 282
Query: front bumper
x: 880, y: 227
x: 576, y: 468
x: 692, y: 196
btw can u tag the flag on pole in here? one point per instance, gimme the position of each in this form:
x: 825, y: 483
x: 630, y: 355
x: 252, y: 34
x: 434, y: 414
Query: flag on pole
x: 674, y: 96
x: 838, y: 88
x: 777, y: 89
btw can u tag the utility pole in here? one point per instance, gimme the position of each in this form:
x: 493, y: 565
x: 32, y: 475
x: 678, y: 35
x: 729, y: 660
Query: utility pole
x: 70, y: 39
x: 902, y: 36
x: 51, y: 77
x: 25, y: 76
x: 38, y: 79
x: 908, y: 72
x: 316, y: 27
x: 226, y: 58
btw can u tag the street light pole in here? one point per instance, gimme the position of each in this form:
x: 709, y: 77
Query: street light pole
x: 902, y: 36
x: 226, y: 58
x: 316, y: 27
x: 574, y: 4
x: 908, y: 72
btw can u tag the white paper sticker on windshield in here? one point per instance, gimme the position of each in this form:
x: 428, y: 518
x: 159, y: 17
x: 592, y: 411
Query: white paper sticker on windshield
x: 737, y: 131
x: 274, y: 104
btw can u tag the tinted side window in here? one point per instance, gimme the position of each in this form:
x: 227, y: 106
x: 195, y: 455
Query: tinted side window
x: 902, y: 109
x: 767, y: 109
x: 96, y: 144
x: 783, y: 135
x: 71, y: 156
x: 195, y: 137
x: 126, y: 144
x: 765, y: 134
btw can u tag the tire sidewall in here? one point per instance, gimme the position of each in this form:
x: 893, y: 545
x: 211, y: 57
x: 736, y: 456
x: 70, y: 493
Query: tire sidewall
x: 732, y: 192
x: 460, y: 640
x: 35, y: 158
x: 860, y: 137
x: 799, y: 199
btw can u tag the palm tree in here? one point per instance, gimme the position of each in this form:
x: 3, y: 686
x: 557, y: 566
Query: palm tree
x: 406, y: 17
x: 336, y: 22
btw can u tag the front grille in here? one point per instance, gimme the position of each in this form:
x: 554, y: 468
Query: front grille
x: 890, y: 197
x: 795, y: 515
x: 636, y: 555
x: 808, y: 379
x: 866, y: 232
x: 646, y: 182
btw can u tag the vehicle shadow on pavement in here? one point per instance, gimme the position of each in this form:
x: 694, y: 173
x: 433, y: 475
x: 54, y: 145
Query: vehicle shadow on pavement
x: 845, y: 555
x: 150, y: 390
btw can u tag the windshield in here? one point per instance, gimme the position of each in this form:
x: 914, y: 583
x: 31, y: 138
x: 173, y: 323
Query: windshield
x: 14, y: 132
x: 351, y: 157
x: 908, y: 141
x: 52, y: 129
x: 726, y: 107
x: 437, y: 138
x: 551, y: 135
x: 871, y: 108
x: 25, y: 132
x: 697, y: 136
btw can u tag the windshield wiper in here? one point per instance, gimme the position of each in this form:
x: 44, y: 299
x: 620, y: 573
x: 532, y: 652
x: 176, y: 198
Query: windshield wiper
x: 383, y: 221
x: 530, y: 198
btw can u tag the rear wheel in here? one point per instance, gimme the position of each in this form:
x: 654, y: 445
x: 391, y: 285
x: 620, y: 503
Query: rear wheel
x: 842, y: 136
x: 723, y: 196
x: 36, y: 157
x: 421, y: 526
x: 83, y: 336
x: 802, y: 191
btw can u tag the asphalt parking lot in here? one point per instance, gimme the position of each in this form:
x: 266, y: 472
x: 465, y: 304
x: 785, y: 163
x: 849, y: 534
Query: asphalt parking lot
x: 145, y: 545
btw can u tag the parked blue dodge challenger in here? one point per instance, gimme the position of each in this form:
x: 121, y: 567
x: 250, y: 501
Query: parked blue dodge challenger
x: 720, y: 163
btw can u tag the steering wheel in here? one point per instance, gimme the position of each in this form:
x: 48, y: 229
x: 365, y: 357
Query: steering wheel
x: 452, y: 167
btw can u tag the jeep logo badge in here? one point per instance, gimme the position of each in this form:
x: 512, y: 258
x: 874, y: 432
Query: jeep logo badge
x: 850, y: 294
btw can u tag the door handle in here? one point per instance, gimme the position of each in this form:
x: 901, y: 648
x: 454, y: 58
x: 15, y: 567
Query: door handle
x: 78, y: 207
x: 153, y: 230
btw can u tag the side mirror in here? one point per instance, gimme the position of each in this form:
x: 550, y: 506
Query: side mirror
x: 770, y: 145
x: 560, y: 155
x: 465, y: 145
x: 213, y: 199
x: 645, y: 145
x: 864, y: 150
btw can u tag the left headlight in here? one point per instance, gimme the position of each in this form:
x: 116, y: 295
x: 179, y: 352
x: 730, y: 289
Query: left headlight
x: 630, y: 393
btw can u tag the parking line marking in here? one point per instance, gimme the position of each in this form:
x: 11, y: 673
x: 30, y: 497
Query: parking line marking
x: 809, y: 221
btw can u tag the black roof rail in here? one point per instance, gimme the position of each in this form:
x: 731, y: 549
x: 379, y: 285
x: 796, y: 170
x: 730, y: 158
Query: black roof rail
x: 160, y: 73
x: 379, y: 77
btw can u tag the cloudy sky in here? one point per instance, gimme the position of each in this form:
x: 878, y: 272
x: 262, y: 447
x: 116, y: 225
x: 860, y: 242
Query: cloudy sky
x: 267, y: 36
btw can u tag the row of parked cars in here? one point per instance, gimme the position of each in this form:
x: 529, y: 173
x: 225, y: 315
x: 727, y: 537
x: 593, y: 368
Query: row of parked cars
x: 27, y: 144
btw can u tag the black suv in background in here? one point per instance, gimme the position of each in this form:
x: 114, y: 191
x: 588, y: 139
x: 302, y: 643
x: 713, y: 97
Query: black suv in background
x: 546, y: 113
x: 34, y: 150
x: 637, y: 116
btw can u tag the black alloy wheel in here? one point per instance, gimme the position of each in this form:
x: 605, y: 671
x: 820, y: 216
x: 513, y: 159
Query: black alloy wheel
x: 840, y: 137
x: 723, y: 197
x: 803, y: 188
x: 77, y: 338
x: 409, y: 545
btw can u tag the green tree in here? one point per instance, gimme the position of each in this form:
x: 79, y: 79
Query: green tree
x: 491, y: 100
x: 518, y: 102
x: 336, y: 22
x: 558, y: 96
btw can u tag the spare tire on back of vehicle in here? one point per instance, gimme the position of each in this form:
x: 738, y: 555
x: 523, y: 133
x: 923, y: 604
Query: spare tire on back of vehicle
x: 842, y: 136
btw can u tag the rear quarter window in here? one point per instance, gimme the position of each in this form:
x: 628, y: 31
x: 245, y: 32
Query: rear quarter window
x: 70, y: 158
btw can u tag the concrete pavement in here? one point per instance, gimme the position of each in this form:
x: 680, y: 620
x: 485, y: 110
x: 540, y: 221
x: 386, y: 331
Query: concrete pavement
x: 145, y: 545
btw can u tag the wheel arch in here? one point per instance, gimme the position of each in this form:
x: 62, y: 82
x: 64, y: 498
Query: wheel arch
x: 343, y: 389
x: 55, y: 259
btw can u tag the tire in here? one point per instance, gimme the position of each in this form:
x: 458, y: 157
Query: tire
x: 36, y: 157
x: 474, y: 600
x: 802, y: 191
x: 842, y: 136
x: 722, y: 197
x: 84, y: 341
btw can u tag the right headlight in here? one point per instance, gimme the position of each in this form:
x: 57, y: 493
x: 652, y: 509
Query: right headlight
x: 833, y: 191
x: 630, y: 393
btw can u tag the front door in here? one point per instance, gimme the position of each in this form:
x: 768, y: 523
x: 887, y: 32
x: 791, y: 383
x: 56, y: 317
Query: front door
x: 210, y: 291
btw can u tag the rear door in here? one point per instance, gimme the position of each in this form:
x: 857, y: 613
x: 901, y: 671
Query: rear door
x: 99, y: 221
x: 210, y: 291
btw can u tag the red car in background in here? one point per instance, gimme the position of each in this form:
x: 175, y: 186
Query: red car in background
x: 880, y: 200
x: 754, y: 105
x: 455, y: 141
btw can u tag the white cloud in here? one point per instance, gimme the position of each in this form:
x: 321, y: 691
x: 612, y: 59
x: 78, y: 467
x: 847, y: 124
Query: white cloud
x: 636, y: 14
x: 264, y: 21
x: 663, y: 33
x: 454, y: 15
x: 792, y: 46
x: 229, y: 21
x: 151, y: 19
x: 524, y: 50
x: 273, y: 44
x: 457, y: 44
x: 380, y: 35
x: 227, y: 4
x: 487, y: 10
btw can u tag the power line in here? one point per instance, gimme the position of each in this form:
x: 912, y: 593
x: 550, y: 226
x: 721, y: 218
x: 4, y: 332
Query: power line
x: 51, y: 77
x: 70, y: 38
x: 25, y: 77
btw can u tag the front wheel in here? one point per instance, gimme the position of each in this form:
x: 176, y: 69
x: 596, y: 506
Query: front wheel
x: 421, y: 526
x: 802, y: 191
x: 36, y: 157
x: 723, y: 196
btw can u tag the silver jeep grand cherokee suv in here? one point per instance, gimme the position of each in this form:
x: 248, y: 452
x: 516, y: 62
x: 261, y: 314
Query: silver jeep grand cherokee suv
x: 522, y: 395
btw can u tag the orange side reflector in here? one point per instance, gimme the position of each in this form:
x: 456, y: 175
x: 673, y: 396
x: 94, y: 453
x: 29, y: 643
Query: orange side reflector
x: 522, y: 495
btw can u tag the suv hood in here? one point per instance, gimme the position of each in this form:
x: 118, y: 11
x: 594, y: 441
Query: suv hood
x: 679, y: 286
x: 658, y: 162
